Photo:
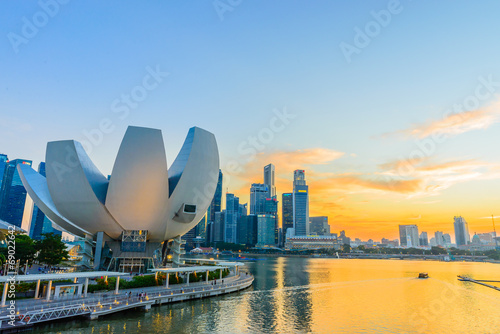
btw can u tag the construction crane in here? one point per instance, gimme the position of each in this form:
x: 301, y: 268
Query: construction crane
x: 495, y: 231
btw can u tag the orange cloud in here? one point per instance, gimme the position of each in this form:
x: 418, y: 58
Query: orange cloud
x: 457, y: 123
x: 369, y: 204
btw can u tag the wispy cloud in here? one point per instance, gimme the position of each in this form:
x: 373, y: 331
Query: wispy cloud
x: 455, y: 123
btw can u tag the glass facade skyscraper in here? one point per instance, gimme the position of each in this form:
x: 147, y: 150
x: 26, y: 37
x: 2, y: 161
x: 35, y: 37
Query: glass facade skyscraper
x: 462, y: 236
x: 13, y: 193
x: 300, y: 204
x: 247, y: 230
x: 269, y: 179
x: 231, y: 218
x: 266, y: 230
x: 40, y: 224
x: 215, y: 206
x: 258, y: 194
x: 287, y: 211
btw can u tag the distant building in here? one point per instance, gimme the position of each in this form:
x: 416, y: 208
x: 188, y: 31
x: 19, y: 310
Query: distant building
x: 269, y: 180
x: 424, y: 240
x: 13, y: 193
x: 462, y: 236
x: 216, y: 204
x: 408, y: 235
x: 345, y: 240
x: 231, y: 218
x: 447, y: 239
x: 247, y: 230
x: 219, y: 229
x: 266, y: 230
x: 319, y: 226
x: 300, y: 204
x: 258, y: 194
x: 313, y: 242
x: 287, y: 211
x: 438, y: 238
x: 40, y: 224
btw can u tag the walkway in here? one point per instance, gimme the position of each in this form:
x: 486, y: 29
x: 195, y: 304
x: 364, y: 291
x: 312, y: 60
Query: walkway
x: 39, y: 310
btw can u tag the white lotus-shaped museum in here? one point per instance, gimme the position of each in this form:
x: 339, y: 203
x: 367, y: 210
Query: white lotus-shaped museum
x: 142, y: 193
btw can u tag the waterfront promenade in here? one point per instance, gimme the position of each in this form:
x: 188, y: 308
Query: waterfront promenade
x: 32, y: 311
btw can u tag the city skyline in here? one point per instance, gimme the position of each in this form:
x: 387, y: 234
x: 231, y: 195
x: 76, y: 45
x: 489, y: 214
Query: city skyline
x: 373, y: 147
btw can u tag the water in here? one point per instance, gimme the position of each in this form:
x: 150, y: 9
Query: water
x: 299, y: 295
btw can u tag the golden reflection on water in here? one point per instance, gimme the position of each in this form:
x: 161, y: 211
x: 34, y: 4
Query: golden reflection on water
x: 299, y: 295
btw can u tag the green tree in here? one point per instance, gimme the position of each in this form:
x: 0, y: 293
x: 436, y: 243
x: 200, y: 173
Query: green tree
x: 52, y: 249
x: 346, y: 248
x: 25, y: 249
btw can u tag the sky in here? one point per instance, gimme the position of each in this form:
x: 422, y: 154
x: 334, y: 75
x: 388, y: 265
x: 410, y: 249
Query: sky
x: 391, y: 107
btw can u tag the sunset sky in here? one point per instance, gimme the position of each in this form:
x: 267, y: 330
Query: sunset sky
x: 402, y: 128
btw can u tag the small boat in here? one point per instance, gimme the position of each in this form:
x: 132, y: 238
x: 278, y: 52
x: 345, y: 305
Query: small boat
x: 423, y: 275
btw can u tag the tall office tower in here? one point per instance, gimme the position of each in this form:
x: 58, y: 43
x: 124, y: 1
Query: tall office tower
x: 319, y: 225
x: 13, y: 194
x: 201, y: 228
x: 462, y: 236
x: 258, y: 194
x: 271, y: 208
x: 215, y: 206
x: 408, y: 236
x: 438, y: 238
x: 424, y: 239
x: 40, y: 224
x: 231, y: 218
x: 218, y: 227
x: 300, y: 204
x: 247, y: 230
x: 265, y: 230
x: 3, y: 163
x: 269, y: 180
x: 287, y: 211
x: 447, y: 239
x: 243, y: 210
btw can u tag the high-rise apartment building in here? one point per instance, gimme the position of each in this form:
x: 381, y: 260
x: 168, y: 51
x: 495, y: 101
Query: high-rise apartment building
x: 408, y: 236
x: 462, y: 236
x: 424, y: 239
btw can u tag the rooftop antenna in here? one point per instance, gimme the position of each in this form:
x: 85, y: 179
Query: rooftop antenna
x: 495, y: 231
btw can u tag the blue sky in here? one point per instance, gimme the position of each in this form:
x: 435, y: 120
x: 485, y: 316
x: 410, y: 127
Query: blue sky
x: 228, y: 75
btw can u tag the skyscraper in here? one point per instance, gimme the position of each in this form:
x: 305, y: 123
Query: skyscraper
x: 218, y: 228
x: 215, y: 206
x: 247, y: 230
x: 319, y: 225
x: 287, y: 211
x: 438, y: 238
x: 258, y: 194
x: 408, y: 236
x: 300, y: 204
x: 462, y: 236
x: 13, y: 194
x: 231, y: 218
x: 3, y: 163
x: 424, y: 240
x: 266, y: 230
x: 269, y: 180
x: 40, y: 224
